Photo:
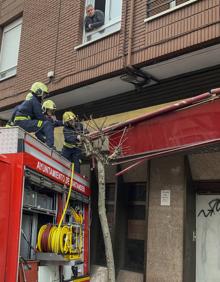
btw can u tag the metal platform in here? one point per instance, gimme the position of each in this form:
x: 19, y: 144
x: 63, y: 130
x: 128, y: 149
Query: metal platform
x: 52, y: 258
x: 15, y: 139
x: 47, y: 161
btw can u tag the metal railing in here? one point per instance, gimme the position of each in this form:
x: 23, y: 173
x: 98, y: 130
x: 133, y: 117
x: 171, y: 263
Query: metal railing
x: 157, y: 6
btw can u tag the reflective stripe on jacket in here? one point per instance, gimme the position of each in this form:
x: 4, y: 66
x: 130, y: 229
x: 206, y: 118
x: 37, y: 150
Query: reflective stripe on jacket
x: 68, y: 145
x: 30, y: 109
x: 22, y: 118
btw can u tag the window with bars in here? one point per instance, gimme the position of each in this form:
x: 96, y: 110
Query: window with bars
x: 155, y: 7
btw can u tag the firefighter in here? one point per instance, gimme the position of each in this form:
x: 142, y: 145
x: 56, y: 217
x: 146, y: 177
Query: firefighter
x: 49, y: 108
x: 30, y: 117
x: 29, y: 96
x: 11, y: 120
x: 72, y: 129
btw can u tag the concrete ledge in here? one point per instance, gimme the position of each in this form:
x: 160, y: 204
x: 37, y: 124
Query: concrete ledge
x: 99, y: 274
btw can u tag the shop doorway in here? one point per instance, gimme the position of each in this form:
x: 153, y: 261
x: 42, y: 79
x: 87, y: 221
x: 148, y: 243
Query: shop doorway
x: 208, y: 238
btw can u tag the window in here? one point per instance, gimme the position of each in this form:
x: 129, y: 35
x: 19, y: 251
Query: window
x: 39, y: 208
x: 126, y: 214
x: 10, y: 49
x: 134, y: 255
x: 112, y: 11
x: 136, y: 227
x: 159, y: 7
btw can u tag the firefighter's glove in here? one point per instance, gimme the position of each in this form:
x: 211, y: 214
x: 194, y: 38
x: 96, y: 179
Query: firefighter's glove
x: 54, y: 118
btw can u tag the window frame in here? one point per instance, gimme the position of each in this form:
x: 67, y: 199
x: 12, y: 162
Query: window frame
x: 12, y: 71
x: 113, y: 25
x: 171, y: 9
x: 135, y: 200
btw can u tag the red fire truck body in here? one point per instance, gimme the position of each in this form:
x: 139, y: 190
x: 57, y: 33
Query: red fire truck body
x: 34, y: 183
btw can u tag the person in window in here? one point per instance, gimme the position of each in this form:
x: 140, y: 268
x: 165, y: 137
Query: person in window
x: 94, y: 18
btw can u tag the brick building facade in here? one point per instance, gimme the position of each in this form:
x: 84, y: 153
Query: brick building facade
x: 170, y: 50
x: 52, y: 40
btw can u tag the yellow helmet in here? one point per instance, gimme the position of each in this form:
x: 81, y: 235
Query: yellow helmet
x: 48, y: 105
x: 68, y: 116
x: 29, y: 96
x: 39, y: 88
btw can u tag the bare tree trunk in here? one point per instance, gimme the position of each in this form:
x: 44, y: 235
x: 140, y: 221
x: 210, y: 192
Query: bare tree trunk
x: 104, y: 223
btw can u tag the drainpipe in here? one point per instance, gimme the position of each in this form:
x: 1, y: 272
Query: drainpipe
x: 129, y: 68
x: 130, y: 37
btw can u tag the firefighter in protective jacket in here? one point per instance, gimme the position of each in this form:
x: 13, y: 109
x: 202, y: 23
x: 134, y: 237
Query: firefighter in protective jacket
x: 11, y: 120
x: 71, y: 131
x: 30, y: 117
x: 49, y: 108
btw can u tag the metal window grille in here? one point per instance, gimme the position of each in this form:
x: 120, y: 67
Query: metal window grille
x: 155, y: 7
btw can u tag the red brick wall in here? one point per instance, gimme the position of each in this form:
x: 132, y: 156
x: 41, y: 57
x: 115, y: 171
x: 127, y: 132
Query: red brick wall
x: 9, y: 10
x: 51, y: 30
x: 188, y: 26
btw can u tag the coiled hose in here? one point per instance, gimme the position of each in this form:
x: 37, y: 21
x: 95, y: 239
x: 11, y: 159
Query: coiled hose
x: 57, y: 239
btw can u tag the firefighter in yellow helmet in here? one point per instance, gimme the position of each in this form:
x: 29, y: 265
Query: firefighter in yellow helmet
x: 49, y: 108
x: 11, y: 121
x: 29, y: 96
x: 30, y: 117
x: 71, y: 131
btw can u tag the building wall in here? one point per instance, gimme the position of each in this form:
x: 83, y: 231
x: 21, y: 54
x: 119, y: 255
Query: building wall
x: 9, y: 10
x: 205, y: 166
x: 164, y: 226
x: 183, y: 28
x: 51, y: 30
x: 166, y: 223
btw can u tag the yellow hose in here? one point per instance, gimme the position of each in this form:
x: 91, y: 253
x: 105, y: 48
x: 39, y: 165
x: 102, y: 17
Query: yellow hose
x: 60, y: 237
x: 40, y: 233
x: 77, y: 217
x: 58, y: 240
x: 52, y: 230
x: 80, y: 238
x: 68, y: 198
x: 65, y: 238
x: 55, y: 241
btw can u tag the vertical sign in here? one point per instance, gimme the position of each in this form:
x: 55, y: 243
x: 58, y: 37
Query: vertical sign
x: 165, y: 198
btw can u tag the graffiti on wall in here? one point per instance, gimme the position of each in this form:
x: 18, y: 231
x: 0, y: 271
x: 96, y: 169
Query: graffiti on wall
x: 213, y: 208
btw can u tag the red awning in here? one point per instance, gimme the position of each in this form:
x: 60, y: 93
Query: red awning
x: 187, y: 124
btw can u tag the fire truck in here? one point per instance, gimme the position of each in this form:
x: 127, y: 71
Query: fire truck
x: 44, y: 213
